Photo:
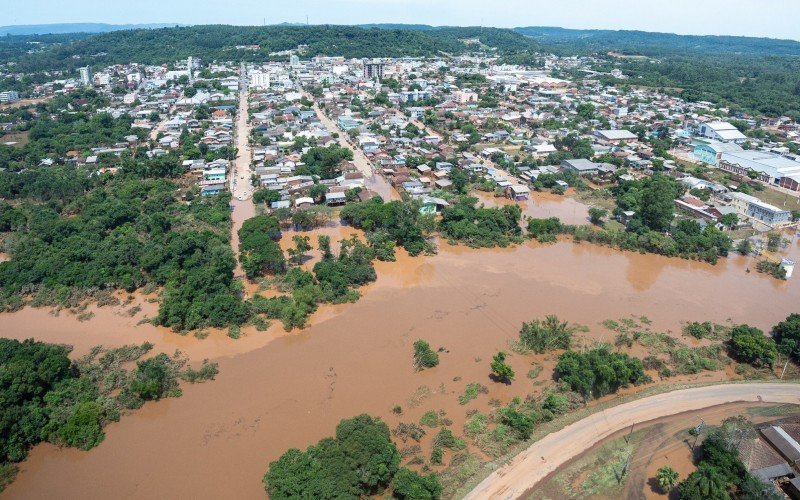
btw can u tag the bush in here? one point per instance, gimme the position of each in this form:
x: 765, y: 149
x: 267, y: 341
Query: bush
x: 548, y: 335
x: 409, y: 485
x: 424, y: 356
x: 749, y: 345
x: 598, y: 372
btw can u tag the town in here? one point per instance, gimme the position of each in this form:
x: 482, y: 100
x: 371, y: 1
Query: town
x: 407, y: 261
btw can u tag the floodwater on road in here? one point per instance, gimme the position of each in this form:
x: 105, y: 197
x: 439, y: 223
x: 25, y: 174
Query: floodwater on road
x: 276, y: 392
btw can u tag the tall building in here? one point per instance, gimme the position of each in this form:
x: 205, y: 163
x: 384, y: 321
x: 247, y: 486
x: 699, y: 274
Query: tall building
x: 9, y: 96
x: 373, y: 70
x: 259, y: 80
x: 87, y: 76
x: 190, y: 67
x: 294, y: 61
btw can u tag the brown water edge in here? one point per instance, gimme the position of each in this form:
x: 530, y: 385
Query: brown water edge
x: 217, y: 440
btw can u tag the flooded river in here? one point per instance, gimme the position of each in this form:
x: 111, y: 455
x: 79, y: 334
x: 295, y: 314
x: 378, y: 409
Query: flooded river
x: 278, y: 391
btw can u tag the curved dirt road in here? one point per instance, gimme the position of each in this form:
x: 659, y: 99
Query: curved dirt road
x: 528, y: 468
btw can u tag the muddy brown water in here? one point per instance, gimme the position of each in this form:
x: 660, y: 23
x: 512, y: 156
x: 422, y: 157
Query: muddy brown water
x: 277, y: 391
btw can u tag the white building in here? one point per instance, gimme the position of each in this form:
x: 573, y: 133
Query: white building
x: 9, y: 96
x: 721, y: 131
x: 259, y: 80
x: 87, y: 76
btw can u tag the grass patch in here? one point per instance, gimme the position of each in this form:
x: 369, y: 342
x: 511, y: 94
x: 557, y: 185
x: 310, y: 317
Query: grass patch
x: 471, y: 392
x: 429, y: 419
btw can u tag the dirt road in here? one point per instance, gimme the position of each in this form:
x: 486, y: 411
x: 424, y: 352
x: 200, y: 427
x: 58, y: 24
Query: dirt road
x: 372, y: 180
x: 546, y: 455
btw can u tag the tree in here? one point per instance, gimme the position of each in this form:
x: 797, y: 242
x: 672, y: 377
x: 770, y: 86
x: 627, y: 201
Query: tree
x: 667, y: 478
x: 301, y: 245
x: 598, y: 372
x: 424, y: 356
x: 502, y: 371
x: 748, y: 344
x: 706, y: 482
x: 729, y: 220
x: 360, y: 460
x: 408, y: 485
x: 596, y: 215
x: 773, y: 241
x: 318, y: 191
x: 324, y: 245
x: 657, y: 205
x: 744, y: 247
x: 787, y: 335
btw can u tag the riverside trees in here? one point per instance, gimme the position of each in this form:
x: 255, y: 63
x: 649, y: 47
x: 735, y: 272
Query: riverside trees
x: 360, y: 460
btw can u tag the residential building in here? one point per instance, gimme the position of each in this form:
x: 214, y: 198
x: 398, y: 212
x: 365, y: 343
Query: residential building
x: 580, y: 166
x: 259, y: 80
x: 87, y: 77
x: 721, y: 131
x: 9, y: 96
x: 373, y: 70
x: 751, y: 206
x: 616, y: 136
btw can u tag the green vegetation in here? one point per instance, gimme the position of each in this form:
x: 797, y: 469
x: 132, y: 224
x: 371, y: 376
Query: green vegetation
x: 219, y: 42
x: 424, y: 356
x: 787, y: 335
x: 360, y: 460
x: 258, y: 247
x: 542, y: 336
x: 334, y: 280
x: 122, y: 232
x: 720, y: 474
x: 749, y: 345
x: 544, y: 230
x: 47, y: 397
x: 598, y: 372
x: 471, y: 392
x: 501, y: 370
x: 401, y: 221
x: 667, y: 478
x: 775, y: 269
x: 429, y: 419
x: 480, y: 226
x: 325, y: 162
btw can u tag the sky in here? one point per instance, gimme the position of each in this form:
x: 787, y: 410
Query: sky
x: 770, y: 18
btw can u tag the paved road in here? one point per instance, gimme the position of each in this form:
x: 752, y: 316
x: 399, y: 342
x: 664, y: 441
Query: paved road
x: 372, y: 180
x: 546, y: 455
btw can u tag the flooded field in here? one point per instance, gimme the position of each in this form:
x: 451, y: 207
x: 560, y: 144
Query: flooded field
x: 542, y: 205
x: 278, y: 391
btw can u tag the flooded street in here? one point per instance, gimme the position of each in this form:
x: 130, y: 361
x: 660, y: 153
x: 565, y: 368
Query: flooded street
x: 543, y: 205
x: 279, y: 391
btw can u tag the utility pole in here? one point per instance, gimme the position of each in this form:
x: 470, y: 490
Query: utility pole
x: 628, y: 437
x: 625, y: 468
x: 785, y: 365
x: 697, y: 432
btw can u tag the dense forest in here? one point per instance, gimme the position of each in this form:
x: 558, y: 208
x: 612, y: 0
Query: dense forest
x: 571, y: 41
x: 158, y: 46
x: 768, y: 85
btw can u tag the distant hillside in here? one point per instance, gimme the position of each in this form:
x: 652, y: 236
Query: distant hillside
x: 655, y: 44
x: 157, y: 46
x: 57, y: 29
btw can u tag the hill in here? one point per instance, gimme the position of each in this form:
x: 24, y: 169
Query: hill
x: 655, y: 44
x: 58, y: 29
x: 219, y: 42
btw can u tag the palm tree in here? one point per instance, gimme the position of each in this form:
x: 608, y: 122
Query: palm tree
x: 667, y: 478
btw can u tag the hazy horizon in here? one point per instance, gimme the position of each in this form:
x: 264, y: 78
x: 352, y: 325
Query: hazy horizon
x: 769, y: 18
